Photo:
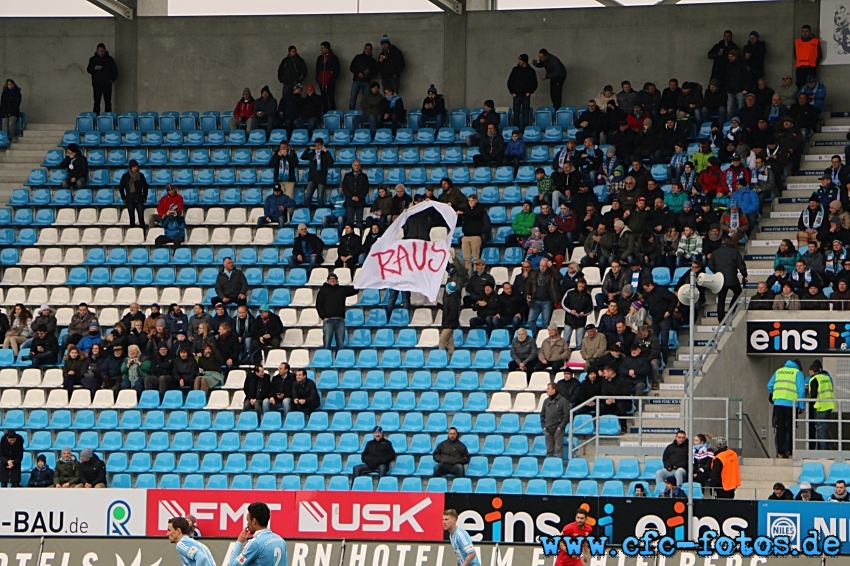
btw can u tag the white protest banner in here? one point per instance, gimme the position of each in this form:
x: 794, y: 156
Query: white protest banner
x: 409, y: 265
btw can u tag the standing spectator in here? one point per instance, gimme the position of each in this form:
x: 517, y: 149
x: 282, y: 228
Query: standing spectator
x: 451, y: 455
x: 92, y: 470
x: 348, y: 250
x: 738, y: 80
x: 256, y: 388
x: 67, y: 473
x: 390, y: 65
x: 243, y: 113
x: 41, y: 475
x: 542, y: 292
x: 305, y: 396
x: 265, y: 111
x: 327, y: 73
x: 523, y: 353
x: 307, y: 250
x: 355, y: 187
x: 330, y: 304
x: 243, y: 328
x: 11, y: 456
x: 174, y: 229
x: 289, y: 108
x: 310, y: 114
x: 170, y: 198
x: 285, y: 163
x: 363, y: 68
x: 231, y: 287
x: 377, y: 455
x: 104, y: 72
x: 820, y: 388
x: 591, y: 122
x: 320, y: 160
x: 512, y: 308
x: 277, y: 206
x: 675, y: 460
x: 728, y: 261
x: 280, y: 391
x: 10, y: 109
x: 578, y: 304
x: 371, y: 104
x: 45, y: 348
x: 77, y: 168
x: 491, y: 148
x: 660, y: 303
x: 785, y: 385
x: 515, y: 151
x: 133, y: 189
x: 553, y: 71
x: 554, y: 417
x: 292, y: 70
x: 627, y: 97
x: 521, y: 84
x: 433, y: 109
x: 719, y: 55
x: 725, y: 471
x: 472, y: 217
x: 754, y: 52
x: 807, y: 55
x: 451, y: 318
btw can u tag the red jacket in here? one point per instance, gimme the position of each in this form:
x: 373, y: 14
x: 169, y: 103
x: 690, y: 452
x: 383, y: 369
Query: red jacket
x: 636, y: 122
x: 712, y: 180
x: 570, y: 224
x: 166, y: 202
x: 243, y: 110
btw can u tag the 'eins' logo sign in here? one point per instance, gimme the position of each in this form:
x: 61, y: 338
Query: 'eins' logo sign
x: 384, y: 516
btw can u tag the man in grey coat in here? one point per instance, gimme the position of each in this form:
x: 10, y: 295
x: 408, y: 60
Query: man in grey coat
x: 523, y: 353
x: 554, y: 417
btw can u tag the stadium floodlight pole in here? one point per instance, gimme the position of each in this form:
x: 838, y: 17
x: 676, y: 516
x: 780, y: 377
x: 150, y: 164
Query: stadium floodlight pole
x: 690, y: 405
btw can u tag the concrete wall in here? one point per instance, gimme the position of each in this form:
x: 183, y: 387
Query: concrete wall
x: 204, y: 62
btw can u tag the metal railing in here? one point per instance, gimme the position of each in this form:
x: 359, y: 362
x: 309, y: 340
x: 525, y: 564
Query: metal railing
x: 721, y: 416
x: 824, y: 436
x: 711, y: 346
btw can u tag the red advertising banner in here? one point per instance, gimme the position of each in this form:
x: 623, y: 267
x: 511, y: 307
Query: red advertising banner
x: 304, y: 514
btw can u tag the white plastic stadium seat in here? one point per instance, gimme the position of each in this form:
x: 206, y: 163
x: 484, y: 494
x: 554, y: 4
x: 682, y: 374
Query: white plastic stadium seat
x: 148, y: 296
x: 192, y: 296
x: 241, y: 236
x: 65, y: 217
x: 315, y: 338
x: 309, y: 317
x: 276, y: 357
x: 11, y: 399
x: 428, y: 338
x: 293, y: 338
x: 12, y: 276
x: 47, y: 237
x: 194, y: 216
x: 170, y: 295
x: 34, y: 276
x: 421, y: 317
x: 302, y: 297
x: 73, y: 256
x: 91, y: 237
x: 8, y: 377
x: 63, y: 315
x: 126, y: 399
x: 538, y: 382
x: 219, y: 400
x: 52, y: 256
x: 288, y: 317
x: 60, y: 296
x: 500, y: 402
x: 37, y: 296
x: 198, y: 237
x: 220, y: 236
x: 16, y: 295
x: 235, y: 379
x: 254, y: 215
x: 104, y: 399
x: 263, y: 237
x: 125, y: 296
x: 109, y: 217
x: 516, y: 381
x: 215, y: 216
x: 153, y: 234
x: 113, y: 236
x: 34, y: 399
x: 237, y: 217
x: 104, y: 296
x: 30, y: 256
x: 31, y: 377
x: 108, y: 316
x: 318, y: 277
x: 134, y: 236
x: 237, y: 401
x: 80, y: 399
x: 500, y: 274
x: 52, y: 378
x: 87, y: 217
x: 525, y: 403
x: 56, y: 275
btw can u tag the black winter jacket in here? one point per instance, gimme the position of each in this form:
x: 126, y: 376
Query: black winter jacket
x: 138, y: 194
x: 330, y: 300
x: 451, y: 453
x: 364, y: 64
x: 312, y: 240
x: 103, y: 70
x: 355, y: 185
x: 315, y: 174
x: 522, y: 81
x: 236, y: 284
x: 676, y: 456
x: 292, y: 70
x: 377, y: 453
x: 10, y: 102
x: 93, y: 472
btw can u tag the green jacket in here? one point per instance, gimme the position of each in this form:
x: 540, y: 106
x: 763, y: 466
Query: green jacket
x: 454, y: 197
x: 545, y: 186
x: 67, y: 473
x: 700, y: 161
x: 523, y: 223
x: 144, y: 369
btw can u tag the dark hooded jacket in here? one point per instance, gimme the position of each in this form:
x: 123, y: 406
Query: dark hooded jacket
x: 102, y: 69
x: 10, y: 102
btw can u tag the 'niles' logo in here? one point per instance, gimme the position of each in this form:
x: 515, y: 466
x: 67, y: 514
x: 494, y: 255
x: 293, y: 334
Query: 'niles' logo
x: 789, y: 340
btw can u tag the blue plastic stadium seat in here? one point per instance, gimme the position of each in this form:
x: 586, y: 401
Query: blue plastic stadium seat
x: 811, y: 472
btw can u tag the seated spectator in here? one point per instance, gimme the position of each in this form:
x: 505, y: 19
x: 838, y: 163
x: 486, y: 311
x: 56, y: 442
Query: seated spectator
x: 161, y: 372
x: 77, y: 168
x: 840, y: 299
x: 780, y: 493
x: 523, y: 353
x: 377, y: 456
x: 118, y: 335
x: 72, y: 369
x: 307, y: 250
x: 381, y: 209
x: 256, y: 388
x: 487, y: 306
x: 812, y: 298
x: 305, y: 397
x: 393, y: 114
x: 512, y: 309
x: 92, y: 470
x: 621, y: 338
x: 672, y: 490
x: 231, y: 287
x: 227, y: 346
x: 209, y: 365
x: 321, y: 161
x: 170, y: 198
x: 44, y: 316
x: 591, y: 387
x: 515, y: 151
x: 806, y: 493
x: 18, y: 329
x: 371, y: 104
x: 814, y: 259
x: 762, y: 300
x: 734, y: 223
x: 555, y: 245
x: 786, y: 299
x: 205, y: 335
x: 832, y: 231
x: 137, y: 336
x: 553, y: 354
x: 480, y: 123
x: 690, y: 247
x: 186, y: 370
x: 280, y: 391
x: 675, y: 460
x: 815, y: 92
x: 477, y: 282
x: 491, y: 148
x: 93, y: 337
x: 174, y: 229
x: 840, y: 493
x: 451, y: 455
x: 310, y: 113
x: 243, y: 114
x: 801, y: 277
x: 112, y: 369
x: 93, y: 369
x: 636, y: 370
x: 285, y: 164
x: 242, y: 326
x: 612, y: 387
x: 44, y: 349
x: 598, y: 247
x: 267, y: 330
x: 265, y: 111
x: 669, y: 247
x: 160, y: 335
x: 590, y: 122
x: 67, y: 472
x: 400, y: 201
x: 41, y: 475
x: 570, y: 388
x: 834, y: 261
x: 779, y: 278
x: 135, y: 369
x: 348, y: 250
x: 786, y: 256
x: 277, y: 206
x: 594, y: 345
x: 433, y: 110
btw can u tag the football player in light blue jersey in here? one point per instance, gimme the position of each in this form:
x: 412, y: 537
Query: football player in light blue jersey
x: 192, y: 552
x: 265, y: 548
x: 460, y: 540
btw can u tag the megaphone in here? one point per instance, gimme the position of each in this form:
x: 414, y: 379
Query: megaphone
x: 713, y: 283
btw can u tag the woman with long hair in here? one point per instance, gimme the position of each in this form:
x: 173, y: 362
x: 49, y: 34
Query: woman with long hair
x: 19, y: 328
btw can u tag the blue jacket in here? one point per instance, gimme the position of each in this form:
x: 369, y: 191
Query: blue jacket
x: 818, y: 94
x: 748, y: 200
x: 87, y: 341
x: 270, y: 206
x: 800, y: 382
x: 174, y: 226
x: 515, y: 148
x: 41, y: 478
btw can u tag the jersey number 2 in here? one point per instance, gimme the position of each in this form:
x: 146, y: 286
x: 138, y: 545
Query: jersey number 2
x: 277, y: 556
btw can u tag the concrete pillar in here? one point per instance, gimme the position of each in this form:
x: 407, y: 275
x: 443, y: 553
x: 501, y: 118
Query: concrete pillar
x: 152, y: 8
x: 454, y: 60
x: 127, y: 58
x: 480, y: 5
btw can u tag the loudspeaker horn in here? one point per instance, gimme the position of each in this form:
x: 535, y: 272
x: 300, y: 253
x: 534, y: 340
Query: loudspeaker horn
x: 711, y: 282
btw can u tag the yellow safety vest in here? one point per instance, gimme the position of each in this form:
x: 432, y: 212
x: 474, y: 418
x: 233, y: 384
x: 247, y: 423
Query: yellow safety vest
x: 785, y: 384
x: 825, y: 392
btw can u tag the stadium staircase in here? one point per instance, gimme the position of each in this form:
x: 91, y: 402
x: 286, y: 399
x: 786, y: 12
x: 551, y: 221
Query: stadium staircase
x: 108, y: 265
